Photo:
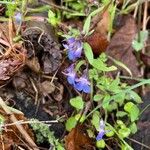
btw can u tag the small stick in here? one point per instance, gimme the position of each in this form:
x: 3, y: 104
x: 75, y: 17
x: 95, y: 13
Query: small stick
x: 19, y: 127
x: 135, y: 141
x: 36, y: 91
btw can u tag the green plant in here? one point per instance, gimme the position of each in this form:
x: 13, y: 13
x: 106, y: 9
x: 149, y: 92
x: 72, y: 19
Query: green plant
x: 112, y: 96
x: 43, y: 134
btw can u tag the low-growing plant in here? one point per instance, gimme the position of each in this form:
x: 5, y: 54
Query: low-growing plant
x: 44, y: 134
x: 114, y: 104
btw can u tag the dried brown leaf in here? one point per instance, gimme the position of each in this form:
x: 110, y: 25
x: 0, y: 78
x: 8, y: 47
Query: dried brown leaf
x: 78, y: 140
x: 103, y: 24
x: 120, y: 47
x: 98, y: 42
x: 146, y: 59
x: 11, y: 136
x: 47, y: 87
x: 33, y: 64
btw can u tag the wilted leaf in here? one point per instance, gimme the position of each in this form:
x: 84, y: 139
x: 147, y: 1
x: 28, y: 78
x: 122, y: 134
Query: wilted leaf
x: 11, y: 135
x: 146, y: 59
x: 78, y: 140
x: 47, y: 87
x: 103, y: 24
x: 98, y: 40
x: 120, y: 47
x: 33, y: 64
x: 98, y: 43
x: 8, y: 67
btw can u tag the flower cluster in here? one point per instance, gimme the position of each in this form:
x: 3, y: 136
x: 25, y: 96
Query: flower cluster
x: 80, y: 84
x: 74, y: 49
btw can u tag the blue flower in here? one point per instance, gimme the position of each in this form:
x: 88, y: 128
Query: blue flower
x: 101, y: 130
x: 18, y: 17
x: 74, y: 47
x: 71, y: 74
x: 82, y: 84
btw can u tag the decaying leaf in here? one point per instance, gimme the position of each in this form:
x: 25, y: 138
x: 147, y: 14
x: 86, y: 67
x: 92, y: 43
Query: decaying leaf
x: 10, y: 136
x: 33, y: 64
x: 47, y: 87
x: 98, y: 40
x: 146, y: 59
x: 78, y: 140
x: 7, y: 68
x: 103, y: 25
x: 120, y: 47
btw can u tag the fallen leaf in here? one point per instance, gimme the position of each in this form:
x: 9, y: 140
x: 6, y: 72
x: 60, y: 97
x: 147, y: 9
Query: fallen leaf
x: 146, y: 59
x: 33, y: 64
x: 47, y: 87
x: 7, y: 68
x: 10, y: 136
x: 120, y: 47
x: 78, y: 140
x: 103, y: 24
x: 98, y: 42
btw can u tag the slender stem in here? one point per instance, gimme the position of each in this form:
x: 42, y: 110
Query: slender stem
x: 139, y: 143
x: 144, y: 109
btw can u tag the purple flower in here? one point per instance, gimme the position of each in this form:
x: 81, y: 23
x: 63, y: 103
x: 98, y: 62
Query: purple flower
x: 101, y: 130
x: 74, y: 48
x: 18, y: 17
x: 71, y: 74
x: 82, y: 84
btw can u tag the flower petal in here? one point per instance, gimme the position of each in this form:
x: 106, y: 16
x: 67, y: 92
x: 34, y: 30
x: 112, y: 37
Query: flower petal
x: 79, y: 86
x: 86, y: 88
x: 71, y: 80
x: 71, y: 55
x: 100, y: 135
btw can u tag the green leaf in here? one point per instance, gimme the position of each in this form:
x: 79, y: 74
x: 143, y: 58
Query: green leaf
x: 100, y: 144
x: 113, y: 106
x: 133, y: 128
x: 97, y: 97
x: 90, y: 133
x: 121, y: 65
x: 100, y: 65
x: 121, y: 113
x: 95, y: 120
x: 124, y: 132
x: 86, y: 26
x: 133, y: 111
x: 135, y: 97
x: 77, y: 102
x: 138, y: 45
x: 119, y: 98
x: 106, y: 101
x: 87, y: 23
x: 126, y: 147
x: 71, y: 123
x: 88, y: 52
